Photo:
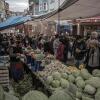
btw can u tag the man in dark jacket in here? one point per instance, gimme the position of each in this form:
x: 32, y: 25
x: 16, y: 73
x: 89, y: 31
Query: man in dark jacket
x: 79, y: 50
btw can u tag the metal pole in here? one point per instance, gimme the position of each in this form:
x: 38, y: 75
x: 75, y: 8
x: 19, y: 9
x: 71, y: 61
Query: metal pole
x: 58, y: 14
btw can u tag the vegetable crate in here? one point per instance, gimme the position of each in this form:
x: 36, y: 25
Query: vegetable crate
x: 4, y: 77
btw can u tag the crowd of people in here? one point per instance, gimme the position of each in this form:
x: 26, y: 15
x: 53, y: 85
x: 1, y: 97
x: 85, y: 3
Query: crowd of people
x: 84, y: 50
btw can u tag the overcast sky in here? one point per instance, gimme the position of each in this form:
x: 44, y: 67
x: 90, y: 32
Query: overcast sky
x: 18, y: 5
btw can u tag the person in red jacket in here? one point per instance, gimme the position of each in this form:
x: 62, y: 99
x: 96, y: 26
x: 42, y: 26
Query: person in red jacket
x: 60, y: 51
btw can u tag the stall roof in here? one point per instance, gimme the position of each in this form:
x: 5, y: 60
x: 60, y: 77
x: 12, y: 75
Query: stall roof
x: 14, y: 21
x: 80, y: 9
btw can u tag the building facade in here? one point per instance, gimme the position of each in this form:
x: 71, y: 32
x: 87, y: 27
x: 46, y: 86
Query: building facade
x: 34, y: 7
x: 7, y: 11
x: 40, y: 7
x: 43, y: 7
x: 54, y: 4
x: 2, y: 10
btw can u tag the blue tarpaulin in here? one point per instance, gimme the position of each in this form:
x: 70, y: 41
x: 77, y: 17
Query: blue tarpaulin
x: 14, y: 21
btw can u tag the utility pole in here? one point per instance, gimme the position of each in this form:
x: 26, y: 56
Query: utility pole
x: 58, y: 15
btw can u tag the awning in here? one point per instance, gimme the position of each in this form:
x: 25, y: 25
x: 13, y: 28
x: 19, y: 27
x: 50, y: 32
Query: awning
x: 14, y: 21
x: 80, y: 9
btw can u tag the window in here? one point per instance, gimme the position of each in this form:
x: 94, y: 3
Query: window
x: 45, y: 6
x: 40, y: 8
x: 52, y: 1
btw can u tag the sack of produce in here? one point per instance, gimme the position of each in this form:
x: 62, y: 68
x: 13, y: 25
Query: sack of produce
x: 35, y: 95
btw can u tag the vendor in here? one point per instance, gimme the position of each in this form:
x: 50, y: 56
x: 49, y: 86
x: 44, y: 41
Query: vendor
x: 93, y: 55
x: 18, y: 48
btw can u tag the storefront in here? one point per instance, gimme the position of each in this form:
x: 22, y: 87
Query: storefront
x: 85, y: 26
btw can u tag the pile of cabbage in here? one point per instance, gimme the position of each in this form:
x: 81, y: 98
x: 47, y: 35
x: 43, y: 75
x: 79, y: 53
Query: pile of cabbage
x: 81, y: 84
x: 37, y: 95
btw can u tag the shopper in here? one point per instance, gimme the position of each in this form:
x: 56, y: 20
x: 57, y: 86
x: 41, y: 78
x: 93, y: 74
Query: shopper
x: 60, y: 51
x: 93, y: 54
x: 66, y: 47
x: 56, y: 44
x: 79, y: 51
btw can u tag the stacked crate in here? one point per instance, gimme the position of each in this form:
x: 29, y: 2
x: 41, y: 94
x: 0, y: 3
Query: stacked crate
x: 4, y: 72
x: 4, y: 77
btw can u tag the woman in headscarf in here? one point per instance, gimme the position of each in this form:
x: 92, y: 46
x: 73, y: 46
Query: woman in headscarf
x: 93, y: 54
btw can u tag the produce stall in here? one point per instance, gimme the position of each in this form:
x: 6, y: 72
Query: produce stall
x: 79, y: 83
x: 55, y: 81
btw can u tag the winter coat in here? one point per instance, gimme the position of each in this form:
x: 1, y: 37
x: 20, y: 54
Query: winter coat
x: 82, y: 47
x: 60, y: 52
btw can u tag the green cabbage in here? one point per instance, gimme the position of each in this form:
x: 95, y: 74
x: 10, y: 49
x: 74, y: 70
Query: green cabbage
x: 9, y: 97
x: 55, y: 83
x: 89, y: 89
x: 64, y: 83
x: 49, y: 79
x: 72, y: 89
x: 35, y: 95
x: 86, y: 98
x: 96, y: 73
x: 71, y: 78
x: 85, y: 74
x: 79, y: 94
x: 78, y: 78
x: 64, y: 75
x: 60, y: 95
x: 97, y: 95
x: 1, y: 93
x: 80, y: 83
x: 56, y: 76
x: 94, y: 81
x: 76, y: 73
